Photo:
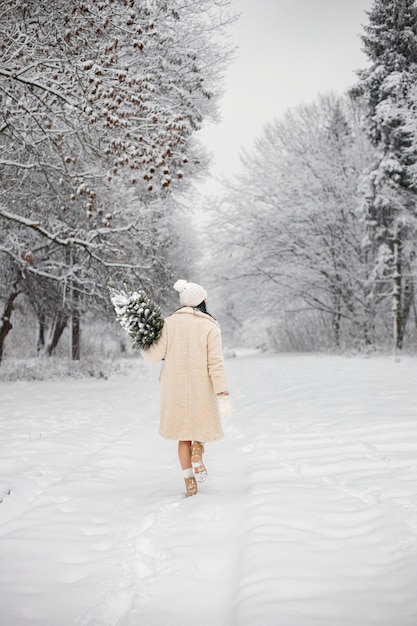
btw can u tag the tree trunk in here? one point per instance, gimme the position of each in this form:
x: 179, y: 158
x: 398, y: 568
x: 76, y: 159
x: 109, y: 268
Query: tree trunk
x: 368, y: 330
x: 336, y: 320
x: 41, y: 333
x: 5, y: 323
x: 408, y: 301
x: 397, y: 290
x: 58, y: 326
x: 368, y: 322
x: 75, y: 327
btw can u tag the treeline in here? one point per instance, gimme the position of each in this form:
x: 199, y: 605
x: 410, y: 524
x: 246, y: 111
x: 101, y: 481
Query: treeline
x: 316, y: 236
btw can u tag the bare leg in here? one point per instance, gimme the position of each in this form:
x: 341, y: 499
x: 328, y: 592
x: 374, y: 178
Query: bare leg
x: 184, y: 454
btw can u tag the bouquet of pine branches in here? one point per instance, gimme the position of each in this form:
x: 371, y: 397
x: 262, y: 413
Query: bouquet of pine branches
x: 138, y: 315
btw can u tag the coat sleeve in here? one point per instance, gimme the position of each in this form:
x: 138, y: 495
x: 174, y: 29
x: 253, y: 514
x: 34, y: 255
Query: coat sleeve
x: 215, y: 360
x: 157, y: 351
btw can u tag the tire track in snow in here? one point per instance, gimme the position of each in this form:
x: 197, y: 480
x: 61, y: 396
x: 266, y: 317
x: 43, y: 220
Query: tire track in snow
x: 311, y: 535
x: 287, y: 530
x: 326, y: 500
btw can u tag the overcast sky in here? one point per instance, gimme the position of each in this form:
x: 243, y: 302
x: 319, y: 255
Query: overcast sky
x: 288, y: 51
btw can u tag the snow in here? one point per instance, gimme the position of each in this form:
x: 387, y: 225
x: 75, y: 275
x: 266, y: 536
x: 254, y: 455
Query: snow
x: 308, y: 517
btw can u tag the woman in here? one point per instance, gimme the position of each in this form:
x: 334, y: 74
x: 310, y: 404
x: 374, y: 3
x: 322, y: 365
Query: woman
x: 194, y: 395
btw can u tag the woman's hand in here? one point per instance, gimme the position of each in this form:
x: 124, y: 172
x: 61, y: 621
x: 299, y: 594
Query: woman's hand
x: 224, y: 406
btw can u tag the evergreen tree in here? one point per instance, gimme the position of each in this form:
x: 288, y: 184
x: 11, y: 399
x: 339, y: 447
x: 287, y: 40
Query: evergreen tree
x: 138, y: 315
x: 386, y: 86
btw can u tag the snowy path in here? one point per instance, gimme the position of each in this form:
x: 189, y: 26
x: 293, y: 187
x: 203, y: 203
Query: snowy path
x: 309, y: 517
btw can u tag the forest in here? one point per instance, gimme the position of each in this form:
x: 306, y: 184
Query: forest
x: 312, y: 245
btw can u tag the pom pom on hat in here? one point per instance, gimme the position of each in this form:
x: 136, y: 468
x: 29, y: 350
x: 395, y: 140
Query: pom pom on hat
x: 180, y: 285
x: 191, y: 294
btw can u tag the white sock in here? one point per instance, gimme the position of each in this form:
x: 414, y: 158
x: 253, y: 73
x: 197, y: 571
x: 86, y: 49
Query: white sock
x: 188, y: 473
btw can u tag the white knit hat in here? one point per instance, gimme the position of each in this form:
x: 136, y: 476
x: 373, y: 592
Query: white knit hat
x: 191, y: 294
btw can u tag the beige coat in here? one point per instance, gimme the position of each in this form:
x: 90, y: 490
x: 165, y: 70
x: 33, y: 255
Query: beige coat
x: 191, y: 376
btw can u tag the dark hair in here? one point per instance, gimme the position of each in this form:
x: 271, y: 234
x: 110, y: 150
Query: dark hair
x: 203, y: 308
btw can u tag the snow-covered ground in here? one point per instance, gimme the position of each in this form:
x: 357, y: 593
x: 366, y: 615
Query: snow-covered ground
x: 309, y: 516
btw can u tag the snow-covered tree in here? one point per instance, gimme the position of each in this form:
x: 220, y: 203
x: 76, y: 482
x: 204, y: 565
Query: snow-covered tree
x: 290, y: 227
x: 99, y: 101
x: 126, y: 79
x: 387, y: 88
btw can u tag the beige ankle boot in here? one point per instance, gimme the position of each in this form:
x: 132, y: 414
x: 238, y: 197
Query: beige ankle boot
x: 191, y: 486
x: 197, y: 451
